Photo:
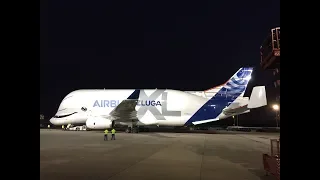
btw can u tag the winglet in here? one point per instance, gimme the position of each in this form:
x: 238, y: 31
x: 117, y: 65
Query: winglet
x: 258, y: 97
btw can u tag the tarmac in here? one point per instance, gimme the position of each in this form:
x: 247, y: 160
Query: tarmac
x: 156, y: 156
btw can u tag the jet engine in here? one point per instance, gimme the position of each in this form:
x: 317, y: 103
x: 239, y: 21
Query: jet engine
x: 99, y: 123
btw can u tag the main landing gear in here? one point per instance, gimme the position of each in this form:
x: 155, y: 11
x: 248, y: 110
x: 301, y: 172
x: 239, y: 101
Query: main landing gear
x: 132, y: 129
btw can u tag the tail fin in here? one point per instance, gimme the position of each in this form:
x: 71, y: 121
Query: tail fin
x: 224, y: 96
x: 238, y: 83
x: 235, y: 85
x: 258, y: 97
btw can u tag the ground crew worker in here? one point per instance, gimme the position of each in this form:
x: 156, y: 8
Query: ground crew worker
x: 62, y: 127
x: 106, y: 134
x: 113, y: 134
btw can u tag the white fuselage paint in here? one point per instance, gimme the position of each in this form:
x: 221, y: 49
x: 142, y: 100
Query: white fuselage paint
x: 99, y: 103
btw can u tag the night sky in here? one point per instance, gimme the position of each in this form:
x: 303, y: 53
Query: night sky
x: 183, y: 45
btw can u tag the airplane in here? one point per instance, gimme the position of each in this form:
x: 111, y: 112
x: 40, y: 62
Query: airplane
x: 102, y: 108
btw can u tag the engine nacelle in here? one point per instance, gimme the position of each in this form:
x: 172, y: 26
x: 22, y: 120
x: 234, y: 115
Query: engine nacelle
x: 99, y: 123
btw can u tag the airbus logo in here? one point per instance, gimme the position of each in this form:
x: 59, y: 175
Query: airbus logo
x: 115, y: 103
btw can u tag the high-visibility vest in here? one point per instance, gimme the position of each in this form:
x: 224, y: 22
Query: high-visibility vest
x: 106, y: 131
x: 113, y: 131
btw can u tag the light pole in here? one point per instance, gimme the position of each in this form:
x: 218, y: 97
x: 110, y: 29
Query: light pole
x: 276, y: 108
x: 234, y: 121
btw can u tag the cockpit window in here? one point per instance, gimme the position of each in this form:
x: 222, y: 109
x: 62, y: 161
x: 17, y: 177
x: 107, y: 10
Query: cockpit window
x: 84, y: 109
x: 62, y: 116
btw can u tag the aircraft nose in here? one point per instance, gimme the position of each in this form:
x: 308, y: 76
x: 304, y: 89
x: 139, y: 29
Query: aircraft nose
x: 52, y: 121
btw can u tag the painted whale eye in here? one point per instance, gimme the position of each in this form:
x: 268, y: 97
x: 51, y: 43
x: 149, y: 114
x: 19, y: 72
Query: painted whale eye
x: 84, y: 109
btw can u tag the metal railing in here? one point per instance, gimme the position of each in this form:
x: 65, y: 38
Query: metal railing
x: 271, y: 162
x: 271, y: 43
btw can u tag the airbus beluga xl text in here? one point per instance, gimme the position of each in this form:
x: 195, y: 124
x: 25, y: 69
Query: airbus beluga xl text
x: 101, y: 109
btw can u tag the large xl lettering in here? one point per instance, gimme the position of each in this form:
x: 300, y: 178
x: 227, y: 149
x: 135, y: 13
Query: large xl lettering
x: 143, y: 109
x: 164, y: 107
x: 145, y: 103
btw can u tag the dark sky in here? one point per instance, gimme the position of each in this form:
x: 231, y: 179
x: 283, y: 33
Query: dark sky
x: 186, y: 45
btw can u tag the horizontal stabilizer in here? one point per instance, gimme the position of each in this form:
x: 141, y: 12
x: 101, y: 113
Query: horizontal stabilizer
x: 204, y: 121
x: 258, y: 97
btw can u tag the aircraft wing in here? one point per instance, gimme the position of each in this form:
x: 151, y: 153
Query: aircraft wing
x: 125, y: 111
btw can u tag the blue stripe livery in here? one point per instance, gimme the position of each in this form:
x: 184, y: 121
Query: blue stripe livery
x: 236, y: 85
x: 135, y: 95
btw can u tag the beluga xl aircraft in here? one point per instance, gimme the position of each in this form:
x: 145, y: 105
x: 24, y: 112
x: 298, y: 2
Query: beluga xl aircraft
x: 101, y: 109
